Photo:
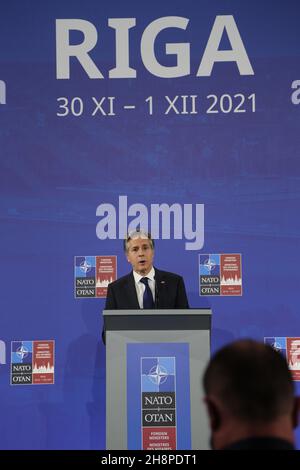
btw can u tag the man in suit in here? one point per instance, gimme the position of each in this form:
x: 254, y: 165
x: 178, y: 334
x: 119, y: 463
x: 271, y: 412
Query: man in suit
x: 145, y: 287
x: 250, y: 398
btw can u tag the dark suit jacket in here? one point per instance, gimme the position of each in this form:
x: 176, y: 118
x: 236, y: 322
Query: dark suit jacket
x: 169, y: 293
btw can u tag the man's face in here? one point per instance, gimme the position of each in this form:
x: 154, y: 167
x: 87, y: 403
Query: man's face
x: 140, y: 255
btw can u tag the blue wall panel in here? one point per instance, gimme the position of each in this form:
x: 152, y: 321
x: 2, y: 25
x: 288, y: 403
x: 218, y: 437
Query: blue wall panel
x: 55, y: 172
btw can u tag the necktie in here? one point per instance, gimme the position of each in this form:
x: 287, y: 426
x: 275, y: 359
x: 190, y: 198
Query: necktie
x: 147, y: 297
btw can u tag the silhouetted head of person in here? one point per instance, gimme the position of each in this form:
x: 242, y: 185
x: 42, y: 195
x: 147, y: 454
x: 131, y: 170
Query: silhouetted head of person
x: 249, y: 393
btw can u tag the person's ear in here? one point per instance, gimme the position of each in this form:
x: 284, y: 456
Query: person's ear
x: 213, y: 413
x: 296, y: 412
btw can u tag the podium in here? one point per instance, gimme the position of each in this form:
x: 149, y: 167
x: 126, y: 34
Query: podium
x: 155, y: 361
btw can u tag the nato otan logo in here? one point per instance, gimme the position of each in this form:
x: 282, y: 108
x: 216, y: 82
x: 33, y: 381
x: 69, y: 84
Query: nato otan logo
x: 2, y: 92
x: 289, y: 347
x: 220, y: 274
x: 93, y: 274
x: 32, y: 362
x: 158, y: 397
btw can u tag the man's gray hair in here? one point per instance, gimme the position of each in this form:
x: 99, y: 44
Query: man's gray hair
x: 134, y: 234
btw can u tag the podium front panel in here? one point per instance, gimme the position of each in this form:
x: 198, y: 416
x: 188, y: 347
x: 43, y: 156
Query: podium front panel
x: 116, y: 377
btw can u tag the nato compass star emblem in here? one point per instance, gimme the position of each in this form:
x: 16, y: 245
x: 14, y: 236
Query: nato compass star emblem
x: 22, y: 352
x: 277, y: 346
x: 85, y: 266
x: 158, y: 375
x: 209, y: 264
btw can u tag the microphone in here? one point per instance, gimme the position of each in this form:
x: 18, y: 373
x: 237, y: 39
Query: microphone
x: 156, y: 299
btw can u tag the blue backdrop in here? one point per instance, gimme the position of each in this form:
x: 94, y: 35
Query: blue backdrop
x: 56, y: 170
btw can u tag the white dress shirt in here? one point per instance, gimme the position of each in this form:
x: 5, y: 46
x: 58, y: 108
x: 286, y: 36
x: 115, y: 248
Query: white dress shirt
x: 140, y: 287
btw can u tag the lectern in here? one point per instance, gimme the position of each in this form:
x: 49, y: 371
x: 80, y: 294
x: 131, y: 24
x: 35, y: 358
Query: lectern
x: 155, y: 361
